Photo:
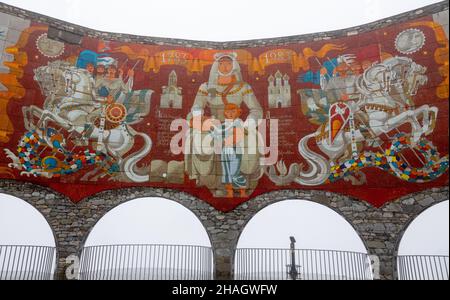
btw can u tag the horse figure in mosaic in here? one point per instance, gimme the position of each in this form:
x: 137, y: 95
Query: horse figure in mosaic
x: 72, y: 104
x: 385, y: 102
x: 381, y: 101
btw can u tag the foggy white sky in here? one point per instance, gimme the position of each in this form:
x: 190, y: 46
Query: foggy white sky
x: 215, y: 20
x: 22, y: 224
x: 149, y: 221
x: 428, y: 233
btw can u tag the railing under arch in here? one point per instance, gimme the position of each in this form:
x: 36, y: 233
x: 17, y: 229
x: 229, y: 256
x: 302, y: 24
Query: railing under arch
x: 27, y: 262
x: 422, y: 267
x: 146, y: 262
x: 276, y: 264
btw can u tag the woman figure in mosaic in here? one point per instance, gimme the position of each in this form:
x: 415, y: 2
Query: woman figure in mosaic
x: 225, y: 86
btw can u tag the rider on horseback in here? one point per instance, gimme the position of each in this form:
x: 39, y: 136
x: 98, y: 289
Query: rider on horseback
x: 111, y: 86
x: 335, y: 79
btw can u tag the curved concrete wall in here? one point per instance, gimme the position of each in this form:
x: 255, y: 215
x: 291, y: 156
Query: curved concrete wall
x: 377, y: 93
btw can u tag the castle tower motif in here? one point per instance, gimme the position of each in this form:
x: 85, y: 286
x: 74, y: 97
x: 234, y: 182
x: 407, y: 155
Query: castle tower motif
x: 279, y: 91
x: 172, y: 96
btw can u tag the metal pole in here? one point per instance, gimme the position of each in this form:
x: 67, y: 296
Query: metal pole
x: 293, y: 273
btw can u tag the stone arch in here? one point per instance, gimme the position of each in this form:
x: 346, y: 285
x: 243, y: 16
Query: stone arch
x: 223, y: 229
x: 38, y: 209
x: 148, y: 194
x: 31, y: 195
x: 172, y: 239
x: 418, y: 204
x: 390, y: 222
x: 379, y: 228
x: 72, y: 222
x: 105, y: 202
x: 334, y: 209
x: 330, y: 200
x: 356, y: 259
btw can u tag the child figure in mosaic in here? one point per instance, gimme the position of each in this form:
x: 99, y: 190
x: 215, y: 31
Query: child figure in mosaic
x: 231, y: 135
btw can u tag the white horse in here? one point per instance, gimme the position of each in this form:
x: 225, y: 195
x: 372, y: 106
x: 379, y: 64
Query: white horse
x: 69, y: 96
x: 72, y: 104
x: 384, y: 102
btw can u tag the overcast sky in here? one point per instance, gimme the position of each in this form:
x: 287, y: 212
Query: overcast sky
x: 219, y: 20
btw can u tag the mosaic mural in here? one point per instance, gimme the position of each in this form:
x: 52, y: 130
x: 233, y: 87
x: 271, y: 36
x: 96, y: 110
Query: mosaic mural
x: 363, y: 115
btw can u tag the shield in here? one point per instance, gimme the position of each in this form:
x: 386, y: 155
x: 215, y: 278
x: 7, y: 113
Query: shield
x: 339, y: 117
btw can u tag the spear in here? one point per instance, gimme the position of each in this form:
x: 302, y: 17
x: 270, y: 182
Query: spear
x: 134, y: 67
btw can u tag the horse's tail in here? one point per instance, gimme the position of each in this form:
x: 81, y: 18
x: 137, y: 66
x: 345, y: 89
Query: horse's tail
x: 15, y: 160
x: 129, y: 165
x: 286, y: 177
x: 319, y: 167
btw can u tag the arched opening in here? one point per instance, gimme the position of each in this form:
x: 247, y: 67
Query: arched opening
x: 297, y: 239
x: 423, y: 250
x: 27, y: 243
x: 148, y: 239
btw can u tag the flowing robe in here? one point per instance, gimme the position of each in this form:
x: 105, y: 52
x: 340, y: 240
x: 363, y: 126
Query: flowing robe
x: 206, y: 168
